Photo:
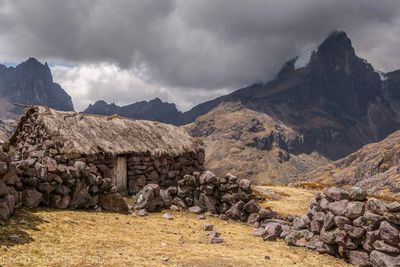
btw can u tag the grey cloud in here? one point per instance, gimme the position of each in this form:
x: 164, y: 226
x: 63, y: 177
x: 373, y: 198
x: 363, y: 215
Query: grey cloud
x: 197, y: 44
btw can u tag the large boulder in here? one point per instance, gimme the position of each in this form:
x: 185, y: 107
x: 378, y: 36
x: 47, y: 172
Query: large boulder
x: 31, y: 198
x: 273, y: 230
x: 148, y: 198
x: 166, y: 197
x: 113, y: 202
x: 359, y: 258
x: 4, y: 210
x: 357, y: 194
x: 252, y: 207
x: 354, y: 209
x: 381, y: 259
x: 236, y: 211
x: 80, y: 199
x: 3, y: 188
x: 338, y: 207
x: 208, y: 178
x: 245, y: 185
x: 389, y: 233
x: 336, y: 194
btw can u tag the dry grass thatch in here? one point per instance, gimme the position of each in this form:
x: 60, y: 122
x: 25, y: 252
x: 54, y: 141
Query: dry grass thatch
x: 91, y: 134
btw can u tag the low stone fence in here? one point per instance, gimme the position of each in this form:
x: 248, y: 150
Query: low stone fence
x: 199, y: 193
x: 345, y: 224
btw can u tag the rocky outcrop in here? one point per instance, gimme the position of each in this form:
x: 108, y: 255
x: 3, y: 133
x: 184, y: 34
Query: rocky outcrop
x: 364, y: 231
x: 375, y: 167
x: 31, y: 83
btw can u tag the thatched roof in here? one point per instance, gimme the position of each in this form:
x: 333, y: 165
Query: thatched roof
x: 92, y: 134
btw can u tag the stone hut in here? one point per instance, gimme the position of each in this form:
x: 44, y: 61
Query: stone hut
x: 132, y: 153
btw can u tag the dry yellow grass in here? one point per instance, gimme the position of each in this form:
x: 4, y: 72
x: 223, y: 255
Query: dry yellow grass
x: 292, y: 200
x: 77, y: 238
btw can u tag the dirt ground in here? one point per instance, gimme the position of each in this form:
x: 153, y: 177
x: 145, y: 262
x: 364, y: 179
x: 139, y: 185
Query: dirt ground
x: 81, y: 238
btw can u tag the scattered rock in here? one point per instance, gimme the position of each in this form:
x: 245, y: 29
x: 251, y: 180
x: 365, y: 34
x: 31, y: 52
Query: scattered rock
x: 208, y: 227
x: 195, y: 209
x: 14, y: 238
x: 142, y: 212
x: 168, y: 216
x: 213, y: 234
x: 217, y: 240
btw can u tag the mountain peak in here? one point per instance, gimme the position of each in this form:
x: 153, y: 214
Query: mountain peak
x: 156, y: 100
x: 337, y: 40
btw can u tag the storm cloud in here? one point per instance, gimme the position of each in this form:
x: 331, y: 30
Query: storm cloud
x: 185, y: 51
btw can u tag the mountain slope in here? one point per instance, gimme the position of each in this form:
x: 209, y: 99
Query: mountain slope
x: 32, y: 83
x: 252, y: 145
x: 375, y: 167
x: 332, y: 98
x: 154, y: 110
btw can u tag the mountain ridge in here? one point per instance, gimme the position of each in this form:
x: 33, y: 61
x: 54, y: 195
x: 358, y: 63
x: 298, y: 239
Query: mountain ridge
x: 155, y: 110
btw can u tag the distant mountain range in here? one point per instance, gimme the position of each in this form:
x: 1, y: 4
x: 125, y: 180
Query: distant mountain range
x: 31, y: 83
x: 154, y: 110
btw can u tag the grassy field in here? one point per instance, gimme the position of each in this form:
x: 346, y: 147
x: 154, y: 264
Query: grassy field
x: 78, y: 238
x: 286, y: 200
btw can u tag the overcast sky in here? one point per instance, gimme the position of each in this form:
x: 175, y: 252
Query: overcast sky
x: 184, y: 51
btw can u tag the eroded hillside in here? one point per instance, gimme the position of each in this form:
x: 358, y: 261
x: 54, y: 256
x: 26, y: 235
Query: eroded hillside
x: 252, y: 145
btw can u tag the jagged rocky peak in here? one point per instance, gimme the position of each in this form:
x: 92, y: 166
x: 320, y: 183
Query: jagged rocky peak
x: 336, y: 53
x: 31, y: 82
x: 32, y: 68
x: 101, y: 107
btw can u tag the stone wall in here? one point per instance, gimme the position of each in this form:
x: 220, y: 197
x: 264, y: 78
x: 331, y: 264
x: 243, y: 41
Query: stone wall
x: 345, y: 224
x: 10, y: 186
x: 198, y: 193
x: 165, y: 170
